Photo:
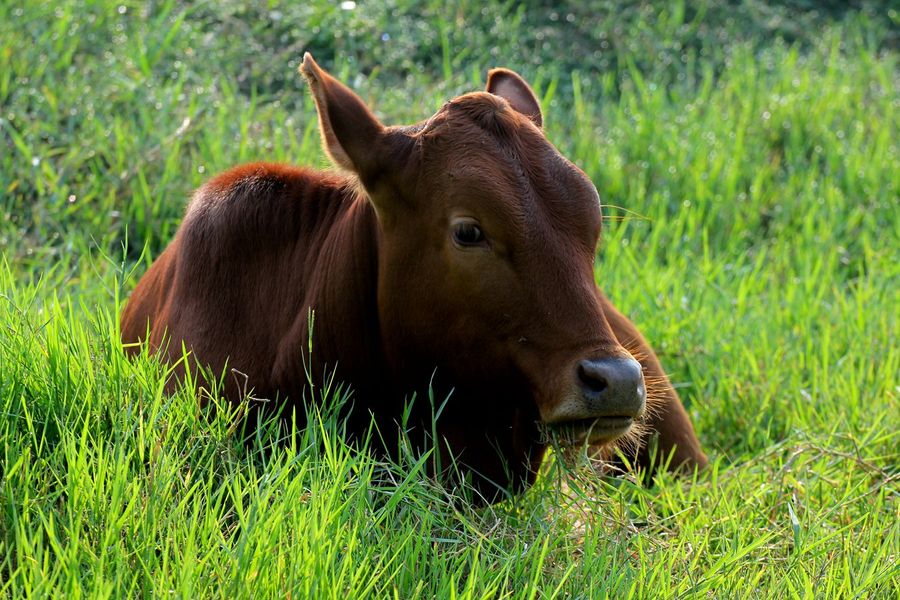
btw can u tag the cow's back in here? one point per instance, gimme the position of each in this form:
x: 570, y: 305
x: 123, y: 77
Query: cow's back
x: 240, y: 274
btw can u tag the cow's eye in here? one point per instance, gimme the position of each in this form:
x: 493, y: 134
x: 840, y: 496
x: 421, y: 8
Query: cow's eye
x: 467, y: 233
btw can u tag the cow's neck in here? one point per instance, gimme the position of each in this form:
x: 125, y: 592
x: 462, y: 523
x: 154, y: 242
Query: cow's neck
x: 338, y: 312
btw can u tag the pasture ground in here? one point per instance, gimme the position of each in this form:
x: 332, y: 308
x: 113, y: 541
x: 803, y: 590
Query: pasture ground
x: 747, y: 154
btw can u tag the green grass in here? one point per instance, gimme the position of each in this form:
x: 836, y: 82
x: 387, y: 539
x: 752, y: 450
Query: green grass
x: 748, y: 157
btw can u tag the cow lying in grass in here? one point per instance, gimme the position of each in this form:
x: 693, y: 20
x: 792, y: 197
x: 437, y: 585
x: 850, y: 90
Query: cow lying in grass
x: 455, y: 255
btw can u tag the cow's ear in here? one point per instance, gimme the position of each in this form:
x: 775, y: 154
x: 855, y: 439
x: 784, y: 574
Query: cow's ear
x: 350, y: 132
x: 510, y: 86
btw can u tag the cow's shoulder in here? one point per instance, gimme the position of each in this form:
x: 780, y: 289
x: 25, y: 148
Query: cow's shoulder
x: 260, y: 189
x: 258, y: 204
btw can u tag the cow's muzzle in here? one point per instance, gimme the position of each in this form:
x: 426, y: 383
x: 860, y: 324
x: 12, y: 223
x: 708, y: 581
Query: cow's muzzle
x: 610, y: 395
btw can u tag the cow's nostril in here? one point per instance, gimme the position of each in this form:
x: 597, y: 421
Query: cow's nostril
x: 611, y: 387
x: 591, y: 378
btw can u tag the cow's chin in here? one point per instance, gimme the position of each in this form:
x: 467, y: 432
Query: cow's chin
x: 590, y: 432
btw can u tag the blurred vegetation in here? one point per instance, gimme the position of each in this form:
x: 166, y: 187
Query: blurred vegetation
x: 108, y: 107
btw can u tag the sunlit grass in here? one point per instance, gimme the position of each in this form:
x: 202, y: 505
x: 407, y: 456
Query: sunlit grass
x: 751, y: 178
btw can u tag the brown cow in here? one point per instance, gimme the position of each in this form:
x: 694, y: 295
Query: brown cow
x: 457, y: 253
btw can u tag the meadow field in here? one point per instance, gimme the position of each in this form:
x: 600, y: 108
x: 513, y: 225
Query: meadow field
x: 748, y: 158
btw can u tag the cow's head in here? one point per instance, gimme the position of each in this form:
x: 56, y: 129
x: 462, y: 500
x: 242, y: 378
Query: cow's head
x: 486, y: 253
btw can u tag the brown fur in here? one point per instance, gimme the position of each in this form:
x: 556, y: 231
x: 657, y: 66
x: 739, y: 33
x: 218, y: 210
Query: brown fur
x: 399, y: 306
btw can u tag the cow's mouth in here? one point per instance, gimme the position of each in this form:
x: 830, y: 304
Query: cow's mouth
x: 601, y: 430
